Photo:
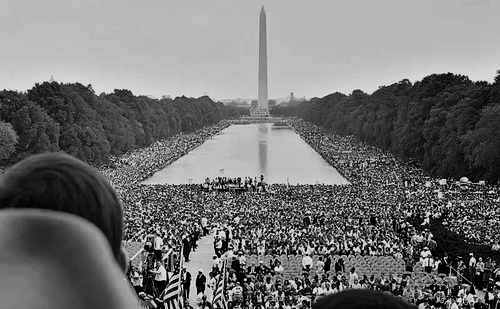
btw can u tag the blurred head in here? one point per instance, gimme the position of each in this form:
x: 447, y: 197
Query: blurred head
x: 60, y: 182
x: 361, y: 299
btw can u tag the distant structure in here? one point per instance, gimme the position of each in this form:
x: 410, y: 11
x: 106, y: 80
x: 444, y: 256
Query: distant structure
x: 238, y: 102
x: 262, y: 109
x: 52, y: 79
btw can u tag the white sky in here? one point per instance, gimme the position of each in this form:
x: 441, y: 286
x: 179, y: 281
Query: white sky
x: 197, y: 47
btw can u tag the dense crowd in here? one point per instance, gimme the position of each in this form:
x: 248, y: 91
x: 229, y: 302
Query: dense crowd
x: 389, y: 210
x: 264, y: 286
x: 235, y: 183
x: 386, y: 211
x: 470, y: 209
x: 134, y: 167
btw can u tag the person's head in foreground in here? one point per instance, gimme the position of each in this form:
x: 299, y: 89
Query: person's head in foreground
x: 54, y: 260
x: 362, y: 299
x: 60, y: 182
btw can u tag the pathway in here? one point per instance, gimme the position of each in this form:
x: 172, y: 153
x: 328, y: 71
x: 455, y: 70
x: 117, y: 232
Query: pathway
x: 201, y: 258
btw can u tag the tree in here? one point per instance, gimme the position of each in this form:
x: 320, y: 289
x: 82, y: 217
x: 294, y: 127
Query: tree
x: 8, y: 140
x: 439, y: 122
x: 36, y: 130
x: 483, y: 143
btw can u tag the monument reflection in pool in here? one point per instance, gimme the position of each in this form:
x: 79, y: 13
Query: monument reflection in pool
x: 263, y: 132
x: 278, y: 153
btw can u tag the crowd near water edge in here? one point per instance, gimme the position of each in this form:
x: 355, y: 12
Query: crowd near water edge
x: 287, y: 246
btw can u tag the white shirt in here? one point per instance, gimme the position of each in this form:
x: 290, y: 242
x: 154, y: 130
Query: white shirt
x: 472, y: 261
x: 307, y: 260
x: 352, y: 277
x: 318, y: 291
x: 158, y: 242
x: 161, y: 274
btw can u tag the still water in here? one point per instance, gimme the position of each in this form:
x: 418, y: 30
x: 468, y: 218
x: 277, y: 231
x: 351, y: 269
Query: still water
x: 278, y: 153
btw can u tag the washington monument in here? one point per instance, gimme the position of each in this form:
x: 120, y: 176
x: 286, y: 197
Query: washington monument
x: 262, y: 109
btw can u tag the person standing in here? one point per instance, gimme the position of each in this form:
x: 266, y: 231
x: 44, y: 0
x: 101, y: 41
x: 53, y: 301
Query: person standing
x: 204, y: 226
x: 353, y: 277
x: 136, y: 279
x: 307, y: 262
x: 218, y: 246
x: 157, y: 244
x: 160, y: 282
x: 186, y: 248
x: 328, y: 264
x: 472, y: 267
x: 201, y: 282
x: 186, y: 284
x: 195, y: 236
x: 479, y: 273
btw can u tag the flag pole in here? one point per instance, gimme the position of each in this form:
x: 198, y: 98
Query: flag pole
x: 181, y: 282
x: 222, y: 283
x: 223, y: 279
x: 223, y: 296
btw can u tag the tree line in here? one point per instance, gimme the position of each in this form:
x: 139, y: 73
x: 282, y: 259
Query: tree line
x: 70, y: 117
x: 446, y: 123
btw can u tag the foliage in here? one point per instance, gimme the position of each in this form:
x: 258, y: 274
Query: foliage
x: 8, y: 140
x: 72, y: 118
x: 445, y: 122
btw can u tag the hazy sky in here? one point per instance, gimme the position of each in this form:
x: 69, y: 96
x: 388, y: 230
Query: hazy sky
x: 175, y: 47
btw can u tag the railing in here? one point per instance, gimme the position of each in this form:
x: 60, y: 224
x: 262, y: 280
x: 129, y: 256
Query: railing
x: 136, y: 254
x: 461, y: 276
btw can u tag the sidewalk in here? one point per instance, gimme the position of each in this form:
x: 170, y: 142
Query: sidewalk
x: 201, y: 258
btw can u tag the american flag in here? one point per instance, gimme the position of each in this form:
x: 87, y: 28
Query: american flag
x: 219, y: 300
x: 171, y: 295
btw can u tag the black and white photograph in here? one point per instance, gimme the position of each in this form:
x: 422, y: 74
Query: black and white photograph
x: 250, y: 154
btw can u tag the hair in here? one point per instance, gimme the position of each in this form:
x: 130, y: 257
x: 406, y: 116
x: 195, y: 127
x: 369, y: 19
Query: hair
x: 60, y: 182
x: 362, y: 299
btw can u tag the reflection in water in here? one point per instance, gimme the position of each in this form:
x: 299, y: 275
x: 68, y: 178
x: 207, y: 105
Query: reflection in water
x: 263, y: 136
x: 263, y: 157
x: 251, y: 150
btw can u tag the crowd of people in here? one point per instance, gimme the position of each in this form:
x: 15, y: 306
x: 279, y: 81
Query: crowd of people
x: 263, y: 286
x: 132, y: 168
x: 386, y: 211
x: 470, y: 209
x: 389, y: 209
x: 235, y: 184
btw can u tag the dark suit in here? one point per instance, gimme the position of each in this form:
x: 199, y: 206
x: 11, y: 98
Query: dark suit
x: 186, y: 248
x: 201, y: 281
x: 186, y: 284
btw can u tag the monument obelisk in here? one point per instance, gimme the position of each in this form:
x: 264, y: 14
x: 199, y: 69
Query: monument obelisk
x: 262, y: 105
